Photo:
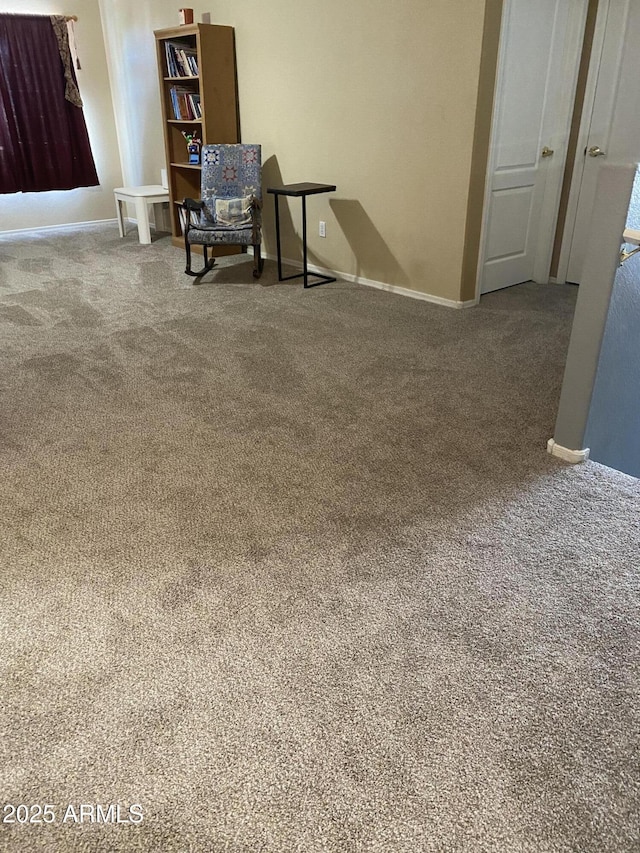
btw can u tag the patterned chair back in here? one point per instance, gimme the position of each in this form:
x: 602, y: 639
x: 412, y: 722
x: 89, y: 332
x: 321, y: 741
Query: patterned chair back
x: 231, y: 171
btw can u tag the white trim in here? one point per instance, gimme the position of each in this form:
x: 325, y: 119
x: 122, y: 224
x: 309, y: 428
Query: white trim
x: 492, y: 152
x: 380, y: 285
x: 573, y: 456
x: 631, y: 236
x: 367, y: 282
x: 413, y: 294
x: 76, y: 225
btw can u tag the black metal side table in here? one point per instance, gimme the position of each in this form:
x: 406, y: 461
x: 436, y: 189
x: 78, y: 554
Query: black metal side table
x: 301, y: 191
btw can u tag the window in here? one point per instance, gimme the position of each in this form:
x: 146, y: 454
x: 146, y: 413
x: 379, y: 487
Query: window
x: 44, y: 144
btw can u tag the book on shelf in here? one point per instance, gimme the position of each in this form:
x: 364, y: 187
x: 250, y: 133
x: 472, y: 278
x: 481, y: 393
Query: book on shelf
x: 183, y: 213
x: 194, y: 100
x: 185, y: 104
x: 182, y: 60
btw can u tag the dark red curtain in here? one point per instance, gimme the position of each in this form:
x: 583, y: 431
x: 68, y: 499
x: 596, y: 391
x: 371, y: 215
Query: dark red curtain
x: 44, y: 143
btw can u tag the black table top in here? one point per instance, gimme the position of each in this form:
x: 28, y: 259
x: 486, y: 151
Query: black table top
x: 301, y: 189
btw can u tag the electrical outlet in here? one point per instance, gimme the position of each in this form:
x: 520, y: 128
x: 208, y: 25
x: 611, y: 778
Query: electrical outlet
x: 322, y: 231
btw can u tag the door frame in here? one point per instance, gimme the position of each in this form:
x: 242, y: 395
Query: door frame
x: 611, y: 13
x: 551, y: 200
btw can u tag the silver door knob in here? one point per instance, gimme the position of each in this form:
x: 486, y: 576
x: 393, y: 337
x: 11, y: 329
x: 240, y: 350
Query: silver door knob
x: 594, y: 151
x: 547, y: 152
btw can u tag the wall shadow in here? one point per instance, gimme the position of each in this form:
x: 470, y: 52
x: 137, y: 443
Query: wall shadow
x: 272, y: 177
x: 373, y: 257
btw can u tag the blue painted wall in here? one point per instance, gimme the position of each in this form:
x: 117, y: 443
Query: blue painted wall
x: 613, y: 425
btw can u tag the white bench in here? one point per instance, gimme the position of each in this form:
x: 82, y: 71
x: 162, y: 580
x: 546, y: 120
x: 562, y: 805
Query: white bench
x: 141, y: 197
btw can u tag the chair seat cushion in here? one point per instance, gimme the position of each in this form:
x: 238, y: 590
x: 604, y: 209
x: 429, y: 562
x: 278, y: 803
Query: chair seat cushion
x: 221, y: 234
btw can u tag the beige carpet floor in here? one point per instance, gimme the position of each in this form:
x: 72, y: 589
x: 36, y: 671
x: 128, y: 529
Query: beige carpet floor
x: 292, y: 570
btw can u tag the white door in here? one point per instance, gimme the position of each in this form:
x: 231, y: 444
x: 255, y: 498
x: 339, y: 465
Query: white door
x: 537, y: 73
x: 593, y: 140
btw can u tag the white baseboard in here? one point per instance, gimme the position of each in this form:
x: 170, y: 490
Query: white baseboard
x: 367, y: 282
x: 380, y: 285
x: 573, y: 456
x: 74, y: 225
x: 412, y: 294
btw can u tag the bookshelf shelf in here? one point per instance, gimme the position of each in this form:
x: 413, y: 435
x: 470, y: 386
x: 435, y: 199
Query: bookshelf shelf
x: 186, y: 166
x: 213, y: 91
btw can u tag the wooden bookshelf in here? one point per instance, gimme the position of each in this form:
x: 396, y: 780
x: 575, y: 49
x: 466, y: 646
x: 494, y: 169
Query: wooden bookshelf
x: 209, y: 49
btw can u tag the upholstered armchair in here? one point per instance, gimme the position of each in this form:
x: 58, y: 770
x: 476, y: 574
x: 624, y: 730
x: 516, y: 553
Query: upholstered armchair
x: 230, y: 208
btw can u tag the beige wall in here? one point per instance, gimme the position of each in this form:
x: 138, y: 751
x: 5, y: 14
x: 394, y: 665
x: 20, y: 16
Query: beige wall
x: 482, y: 139
x: 380, y: 99
x: 87, y: 203
x: 376, y: 97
